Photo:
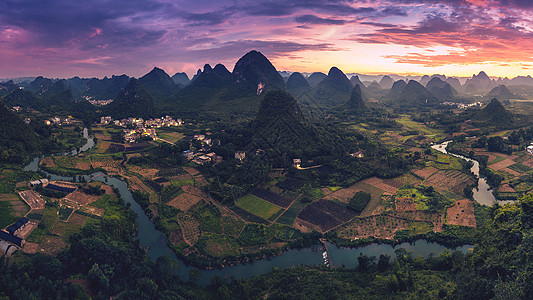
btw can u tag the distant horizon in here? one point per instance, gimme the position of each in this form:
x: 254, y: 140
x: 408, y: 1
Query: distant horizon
x: 348, y: 74
x: 62, y: 39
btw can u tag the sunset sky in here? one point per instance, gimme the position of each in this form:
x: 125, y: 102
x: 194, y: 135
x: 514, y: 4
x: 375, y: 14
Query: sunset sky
x: 58, y: 38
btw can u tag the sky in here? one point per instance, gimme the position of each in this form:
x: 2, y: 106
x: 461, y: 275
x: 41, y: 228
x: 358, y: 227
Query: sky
x: 96, y: 38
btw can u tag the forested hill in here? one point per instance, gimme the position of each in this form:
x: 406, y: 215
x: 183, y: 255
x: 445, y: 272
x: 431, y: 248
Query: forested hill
x: 17, y: 140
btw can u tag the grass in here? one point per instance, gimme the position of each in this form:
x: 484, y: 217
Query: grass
x: 257, y: 206
x: 520, y: 168
x: 180, y: 183
x: 171, y: 136
x: 406, y: 121
x: 6, y: 214
x: 496, y: 160
x: 334, y: 188
x: 290, y: 214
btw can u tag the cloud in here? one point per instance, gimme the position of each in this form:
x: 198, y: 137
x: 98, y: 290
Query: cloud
x: 311, y: 19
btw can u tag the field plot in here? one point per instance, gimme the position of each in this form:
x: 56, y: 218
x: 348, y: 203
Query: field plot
x: 434, y: 218
x: 272, y: 197
x: 80, y: 198
x: 171, y: 136
x: 34, y: 200
x: 502, y: 164
x: 176, y: 237
x: 461, y: 213
x: 145, y: 172
x: 189, y: 189
x: 404, y: 204
x: 191, y: 170
x: 405, y: 179
x: 218, y: 245
x: 184, y: 201
x: 378, y: 183
x: 231, y: 223
x: 342, y: 195
x: 48, y: 162
x: 426, y: 172
x: 257, y: 206
x: 378, y: 226
x: 326, y: 214
x: 106, y: 162
x: 290, y: 214
x: 450, y: 180
x: 200, y: 181
x: 11, y: 208
x: 190, y: 227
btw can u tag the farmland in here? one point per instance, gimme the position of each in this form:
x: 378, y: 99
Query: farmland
x: 257, y: 206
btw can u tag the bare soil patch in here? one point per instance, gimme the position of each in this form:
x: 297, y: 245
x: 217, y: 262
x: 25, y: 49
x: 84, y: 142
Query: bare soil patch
x: 461, y: 213
x: 184, y: 201
x: 502, y: 164
x: 426, y: 172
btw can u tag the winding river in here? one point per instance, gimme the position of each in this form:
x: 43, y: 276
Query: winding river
x: 156, y: 241
x: 483, y: 192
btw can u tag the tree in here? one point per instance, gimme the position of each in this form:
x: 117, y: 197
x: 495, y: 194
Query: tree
x: 359, y: 201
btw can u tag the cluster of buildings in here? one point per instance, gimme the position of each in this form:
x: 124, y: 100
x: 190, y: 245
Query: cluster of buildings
x: 132, y: 135
x: 98, y: 102
x: 58, y: 121
x: 141, y: 127
x: 461, y: 105
x: 202, y: 156
x: 166, y: 121
x: 10, y: 238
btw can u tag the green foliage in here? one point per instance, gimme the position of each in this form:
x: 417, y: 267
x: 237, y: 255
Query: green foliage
x: 359, y: 201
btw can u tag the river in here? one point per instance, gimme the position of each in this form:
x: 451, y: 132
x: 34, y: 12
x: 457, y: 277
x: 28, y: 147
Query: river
x: 150, y: 237
x: 482, y: 194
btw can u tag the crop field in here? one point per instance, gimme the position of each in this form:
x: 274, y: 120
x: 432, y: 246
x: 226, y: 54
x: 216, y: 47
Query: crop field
x: 272, y: 197
x: 379, y: 184
x: 176, y: 237
x: 450, y: 180
x: 257, y: 206
x: 502, y: 164
x: 425, y: 172
x: 218, y: 245
x: 342, y: 195
x: 378, y: 226
x: 232, y: 224
x: 181, y: 183
x: 209, y: 217
x: 518, y: 167
x: 405, y: 179
x: 290, y: 214
x: 64, y: 213
x: 171, y: 136
x: 189, y: 189
x: 184, y: 201
x: 461, y: 213
x: 406, y: 121
x: 81, y: 198
x: 404, y: 204
x: 434, y: 218
x: 190, y: 227
x: 326, y: 214
x: 11, y: 209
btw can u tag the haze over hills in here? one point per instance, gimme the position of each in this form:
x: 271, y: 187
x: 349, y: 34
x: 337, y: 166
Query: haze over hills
x: 219, y: 90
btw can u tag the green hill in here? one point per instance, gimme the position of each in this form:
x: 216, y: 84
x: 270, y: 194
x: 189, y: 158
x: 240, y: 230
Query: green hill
x: 335, y: 89
x: 297, y: 84
x: 414, y: 94
x: 494, y: 114
x: 356, y: 103
x: 17, y: 140
x: 501, y: 92
x: 280, y: 123
x: 158, y: 84
x: 181, y: 79
x: 134, y: 101
x: 315, y: 78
